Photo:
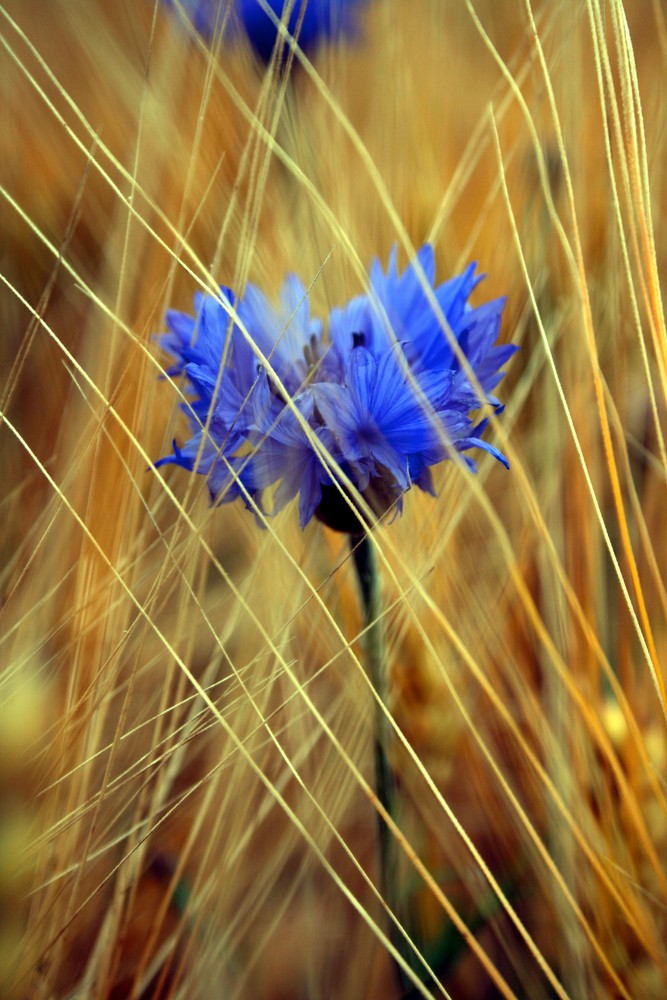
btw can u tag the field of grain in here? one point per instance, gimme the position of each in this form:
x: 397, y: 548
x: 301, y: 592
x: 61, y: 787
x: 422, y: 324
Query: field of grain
x: 187, y: 796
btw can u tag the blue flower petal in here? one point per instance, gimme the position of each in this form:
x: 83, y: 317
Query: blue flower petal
x: 310, y: 23
x: 388, y: 398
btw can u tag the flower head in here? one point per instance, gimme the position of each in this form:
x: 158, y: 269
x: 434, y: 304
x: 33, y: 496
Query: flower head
x: 390, y: 394
x: 309, y: 22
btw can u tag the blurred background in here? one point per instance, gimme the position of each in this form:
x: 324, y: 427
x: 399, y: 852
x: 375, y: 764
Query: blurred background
x: 186, y: 727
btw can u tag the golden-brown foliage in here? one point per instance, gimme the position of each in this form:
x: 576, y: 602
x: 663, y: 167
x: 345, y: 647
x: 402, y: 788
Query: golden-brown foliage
x: 185, y: 721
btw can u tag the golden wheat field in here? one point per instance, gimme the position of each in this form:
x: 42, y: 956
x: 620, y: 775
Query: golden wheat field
x: 187, y: 798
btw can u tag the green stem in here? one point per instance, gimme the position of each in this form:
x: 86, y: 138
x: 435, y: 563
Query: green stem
x: 365, y: 562
x: 368, y: 576
x: 451, y: 945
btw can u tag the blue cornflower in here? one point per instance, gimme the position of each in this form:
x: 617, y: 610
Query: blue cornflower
x: 386, y: 397
x: 308, y: 21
